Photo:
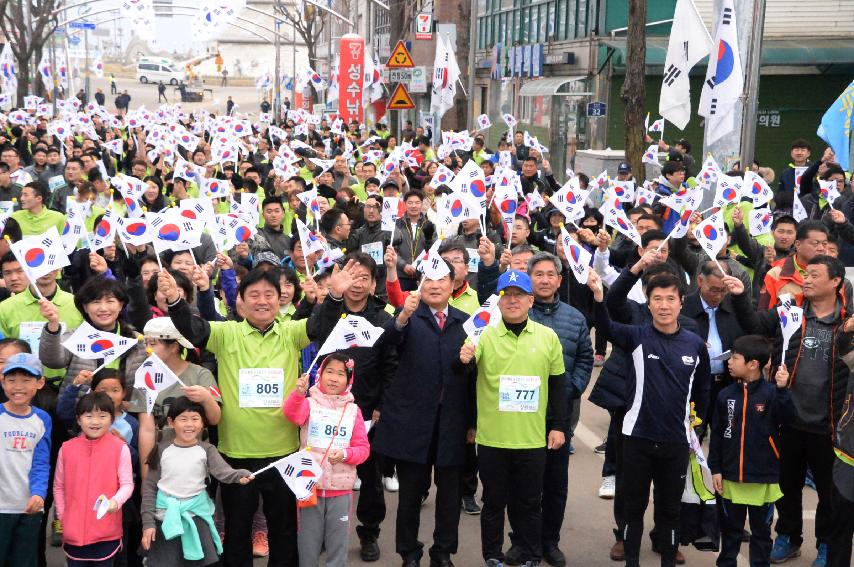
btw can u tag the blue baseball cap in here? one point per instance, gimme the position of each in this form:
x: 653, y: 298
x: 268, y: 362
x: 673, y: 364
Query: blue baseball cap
x: 515, y: 278
x: 27, y: 362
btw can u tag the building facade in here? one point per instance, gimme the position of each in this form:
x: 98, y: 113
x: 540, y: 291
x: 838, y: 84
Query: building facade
x: 546, y: 60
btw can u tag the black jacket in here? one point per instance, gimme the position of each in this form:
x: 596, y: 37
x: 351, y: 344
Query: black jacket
x: 428, y: 386
x: 609, y: 392
x: 728, y: 327
x: 375, y: 366
x: 744, y: 446
x: 767, y: 323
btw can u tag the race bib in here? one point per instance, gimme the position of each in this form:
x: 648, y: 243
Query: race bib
x: 374, y: 250
x: 519, y: 393
x: 474, y: 259
x: 261, y: 387
x: 55, y: 182
x: 31, y: 332
x: 323, y: 429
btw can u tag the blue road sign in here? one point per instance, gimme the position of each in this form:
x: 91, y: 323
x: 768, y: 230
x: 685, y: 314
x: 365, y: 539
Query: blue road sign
x: 82, y: 25
x: 596, y: 109
x: 75, y: 40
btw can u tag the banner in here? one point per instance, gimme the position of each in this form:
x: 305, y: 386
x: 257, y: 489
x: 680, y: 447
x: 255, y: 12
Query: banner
x: 350, y: 77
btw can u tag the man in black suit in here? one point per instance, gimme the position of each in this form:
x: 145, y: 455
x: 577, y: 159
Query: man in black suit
x: 708, y: 304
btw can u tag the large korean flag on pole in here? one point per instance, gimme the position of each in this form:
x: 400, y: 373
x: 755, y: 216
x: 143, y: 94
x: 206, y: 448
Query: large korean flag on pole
x: 724, y: 78
x: 689, y: 43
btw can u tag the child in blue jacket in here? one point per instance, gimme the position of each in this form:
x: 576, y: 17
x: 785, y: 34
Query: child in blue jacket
x: 743, y: 455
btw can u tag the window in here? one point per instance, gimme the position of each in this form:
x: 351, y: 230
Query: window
x: 148, y: 67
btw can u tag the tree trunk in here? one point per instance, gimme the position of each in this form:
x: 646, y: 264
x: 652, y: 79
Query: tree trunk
x: 461, y: 102
x: 23, y: 80
x: 633, y: 93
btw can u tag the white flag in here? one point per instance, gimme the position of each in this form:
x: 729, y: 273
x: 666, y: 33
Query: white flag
x: 90, y: 343
x: 153, y: 376
x: 105, y: 232
x: 689, y: 43
x: 728, y: 190
x: 40, y: 254
x: 828, y: 191
x: 710, y: 234
x: 791, y: 318
x: 760, y: 222
x: 724, y: 78
x: 134, y: 231
x: 578, y: 258
x: 311, y: 243
x: 756, y: 188
x: 393, y: 209
x: 798, y: 209
x: 300, y: 472
x: 350, y: 332
x: 616, y: 218
x: 487, y: 315
x: 483, y: 122
x: 73, y: 230
x: 446, y: 72
x: 651, y: 155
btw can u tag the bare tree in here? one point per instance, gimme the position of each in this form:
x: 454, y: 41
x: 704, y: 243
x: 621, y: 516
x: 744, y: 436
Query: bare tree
x: 27, y: 28
x: 308, y: 26
x: 633, y: 93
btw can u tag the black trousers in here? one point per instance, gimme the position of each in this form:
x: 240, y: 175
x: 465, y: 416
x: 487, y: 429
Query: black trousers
x: 413, y: 478
x: 665, y: 465
x: 468, y: 478
x: 555, y: 490
x: 799, y: 450
x: 239, y: 503
x: 842, y: 530
x: 732, y: 518
x: 512, y: 479
x: 613, y: 465
x: 370, y: 509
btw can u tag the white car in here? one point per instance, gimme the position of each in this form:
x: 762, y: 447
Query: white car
x: 152, y: 71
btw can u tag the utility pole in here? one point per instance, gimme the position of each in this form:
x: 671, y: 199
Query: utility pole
x: 734, y: 146
x: 751, y: 84
x: 86, y: 49
x: 277, y: 87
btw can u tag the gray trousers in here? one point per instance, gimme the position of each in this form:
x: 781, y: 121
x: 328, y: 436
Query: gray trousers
x: 327, y: 523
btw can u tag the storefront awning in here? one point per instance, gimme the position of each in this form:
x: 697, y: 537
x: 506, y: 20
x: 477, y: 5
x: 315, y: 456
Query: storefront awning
x: 554, y: 86
x: 807, y: 51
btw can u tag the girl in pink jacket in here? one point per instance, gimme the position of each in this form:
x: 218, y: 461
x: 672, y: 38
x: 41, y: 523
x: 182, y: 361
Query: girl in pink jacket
x: 333, y: 429
x: 93, y: 479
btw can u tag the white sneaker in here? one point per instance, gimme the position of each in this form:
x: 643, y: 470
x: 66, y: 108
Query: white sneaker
x: 390, y: 483
x: 609, y: 488
x: 358, y: 484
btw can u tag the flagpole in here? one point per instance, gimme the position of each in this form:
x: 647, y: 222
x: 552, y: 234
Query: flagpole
x: 264, y: 469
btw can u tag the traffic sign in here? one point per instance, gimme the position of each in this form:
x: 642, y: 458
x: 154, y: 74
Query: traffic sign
x: 418, y: 82
x: 82, y: 25
x: 596, y: 109
x: 400, y: 99
x: 399, y: 75
x: 400, y: 57
x: 75, y: 40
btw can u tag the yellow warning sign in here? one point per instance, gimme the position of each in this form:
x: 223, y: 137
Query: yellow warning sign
x: 400, y: 99
x: 400, y: 57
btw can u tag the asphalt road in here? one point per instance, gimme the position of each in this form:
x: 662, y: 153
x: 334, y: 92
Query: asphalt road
x: 246, y: 97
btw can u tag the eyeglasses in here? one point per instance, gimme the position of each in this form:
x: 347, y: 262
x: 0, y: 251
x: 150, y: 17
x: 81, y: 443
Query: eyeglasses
x: 375, y: 207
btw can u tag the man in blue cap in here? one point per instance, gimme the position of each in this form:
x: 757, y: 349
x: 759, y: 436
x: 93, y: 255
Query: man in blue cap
x: 519, y: 369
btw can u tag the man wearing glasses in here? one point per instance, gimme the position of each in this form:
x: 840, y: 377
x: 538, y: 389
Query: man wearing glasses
x: 370, y: 239
x: 713, y: 310
x: 787, y: 275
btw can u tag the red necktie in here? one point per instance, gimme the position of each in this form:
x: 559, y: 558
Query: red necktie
x: 440, y: 320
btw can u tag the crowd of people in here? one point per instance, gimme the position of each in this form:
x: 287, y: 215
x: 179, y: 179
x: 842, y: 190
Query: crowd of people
x: 491, y: 327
